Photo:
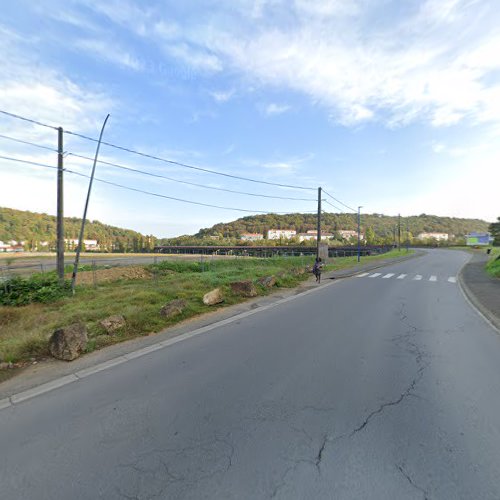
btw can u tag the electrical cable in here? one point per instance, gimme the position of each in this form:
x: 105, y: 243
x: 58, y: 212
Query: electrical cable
x: 187, y: 182
x: 338, y: 201
x: 12, y: 115
x: 174, y: 198
x: 185, y: 165
x: 27, y: 162
x: 27, y: 142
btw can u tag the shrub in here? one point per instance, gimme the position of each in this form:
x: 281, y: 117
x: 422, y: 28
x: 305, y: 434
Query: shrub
x: 43, y: 288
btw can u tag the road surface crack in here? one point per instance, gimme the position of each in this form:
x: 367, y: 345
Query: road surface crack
x: 410, y: 480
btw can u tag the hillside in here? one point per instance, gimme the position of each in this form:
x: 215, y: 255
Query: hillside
x: 34, y: 229
x: 378, y: 228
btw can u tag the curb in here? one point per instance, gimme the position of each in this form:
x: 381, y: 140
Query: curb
x: 25, y: 395
x: 475, y: 303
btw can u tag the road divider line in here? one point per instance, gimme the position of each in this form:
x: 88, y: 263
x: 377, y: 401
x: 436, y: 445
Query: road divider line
x: 41, y: 389
x: 5, y: 403
x: 101, y: 366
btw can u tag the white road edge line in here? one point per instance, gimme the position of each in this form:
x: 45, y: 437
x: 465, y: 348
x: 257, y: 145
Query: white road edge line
x: 82, y: 374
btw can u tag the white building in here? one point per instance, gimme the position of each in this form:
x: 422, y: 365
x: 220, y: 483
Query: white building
x: 349, y: 233
x: 433, y: 236
x: 88, y: 244
x: 312, y: 235
x: 276, y: 234
x: 251, y: 236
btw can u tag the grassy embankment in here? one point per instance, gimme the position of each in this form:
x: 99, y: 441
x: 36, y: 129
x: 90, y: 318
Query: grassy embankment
x: 493, y: 265
x: 24, y: 330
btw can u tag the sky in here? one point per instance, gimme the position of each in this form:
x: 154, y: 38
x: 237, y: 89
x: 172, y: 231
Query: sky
x: 392, y: 105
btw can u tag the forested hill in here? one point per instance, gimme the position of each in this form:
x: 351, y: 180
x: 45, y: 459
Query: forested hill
x: 34, y: 228
x: 382, y: 225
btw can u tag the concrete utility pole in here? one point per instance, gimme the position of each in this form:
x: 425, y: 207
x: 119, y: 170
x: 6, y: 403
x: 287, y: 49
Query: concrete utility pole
x: 359, y: 234
x: 319, y: 224
x: 399, y: 232
x: 60, y: 207
x: 82, y: 229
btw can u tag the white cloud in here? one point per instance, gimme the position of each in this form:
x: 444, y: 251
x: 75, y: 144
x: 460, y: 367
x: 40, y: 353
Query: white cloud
x: 276, y: 109
x: 222, y: 96
x: 109, y: 51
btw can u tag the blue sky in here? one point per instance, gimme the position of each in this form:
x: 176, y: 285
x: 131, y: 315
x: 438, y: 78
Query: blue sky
x: 392, y: 105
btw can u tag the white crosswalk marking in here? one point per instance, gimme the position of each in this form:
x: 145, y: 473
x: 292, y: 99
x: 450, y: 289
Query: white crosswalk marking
x: 402, y: 276
x: 452, y: 279
x: 362, y: 275
x: 389, y: 275
x: 375, y: 275
x: 417, y: 277
x: 433, y: 278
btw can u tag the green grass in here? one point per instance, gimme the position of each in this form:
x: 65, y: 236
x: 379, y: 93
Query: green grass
x: 24, y: 331
x: 493, y: 265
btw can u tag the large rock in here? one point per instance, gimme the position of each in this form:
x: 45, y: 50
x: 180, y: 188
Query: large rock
x: 173, y: 308
x: 113, y: 323
x: 69, y: 342
x: 267, y: 281
x: 244, y: 288
x: 213, y: 297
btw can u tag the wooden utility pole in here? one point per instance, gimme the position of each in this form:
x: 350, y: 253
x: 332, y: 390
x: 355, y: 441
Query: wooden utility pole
x: 319, y: 224
x: 60, y: 207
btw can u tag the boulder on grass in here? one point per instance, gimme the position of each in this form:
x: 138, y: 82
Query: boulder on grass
x: 268, y: 281
x: 173, y: 308
x: 244, y: 288
x: 213, y: 297
x: 113, y: 323
x: 69, y: 342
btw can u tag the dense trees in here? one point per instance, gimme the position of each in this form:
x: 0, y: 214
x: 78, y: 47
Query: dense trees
x: 495, y: 232
x: 37, y: 229
x: 379, y: 229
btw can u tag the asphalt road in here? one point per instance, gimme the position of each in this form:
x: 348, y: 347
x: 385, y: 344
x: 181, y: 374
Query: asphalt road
x: 383, y: 387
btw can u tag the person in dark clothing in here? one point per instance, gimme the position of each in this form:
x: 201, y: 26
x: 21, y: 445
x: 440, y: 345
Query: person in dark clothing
x: 317, y: 269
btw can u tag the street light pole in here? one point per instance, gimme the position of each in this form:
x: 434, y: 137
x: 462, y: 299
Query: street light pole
x: 359, y: 234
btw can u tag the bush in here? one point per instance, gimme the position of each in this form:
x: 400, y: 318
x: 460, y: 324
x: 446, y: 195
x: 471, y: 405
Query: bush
x: 43, y: 288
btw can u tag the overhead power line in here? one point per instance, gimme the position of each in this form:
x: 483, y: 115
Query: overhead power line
x: 20, y: 160
x: 123, y: 167
x: 332, y: 205
x: 33, y: 163
x: 338, y: 201
x: 12, y: 115
x: 177, y: 199
x: 185, y: 165
x: 28, y: 143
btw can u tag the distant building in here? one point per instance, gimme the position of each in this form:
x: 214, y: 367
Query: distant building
x: 480, y: 239
x: 88, y: 244
x: 251, y: 236
x: 4, y: 246
x: 349, y: 233
x: 312, y: 235
x: 433, y: 236
x: 276, y: 234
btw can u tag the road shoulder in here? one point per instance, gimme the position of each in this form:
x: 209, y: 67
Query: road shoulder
x: 482, y: 290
